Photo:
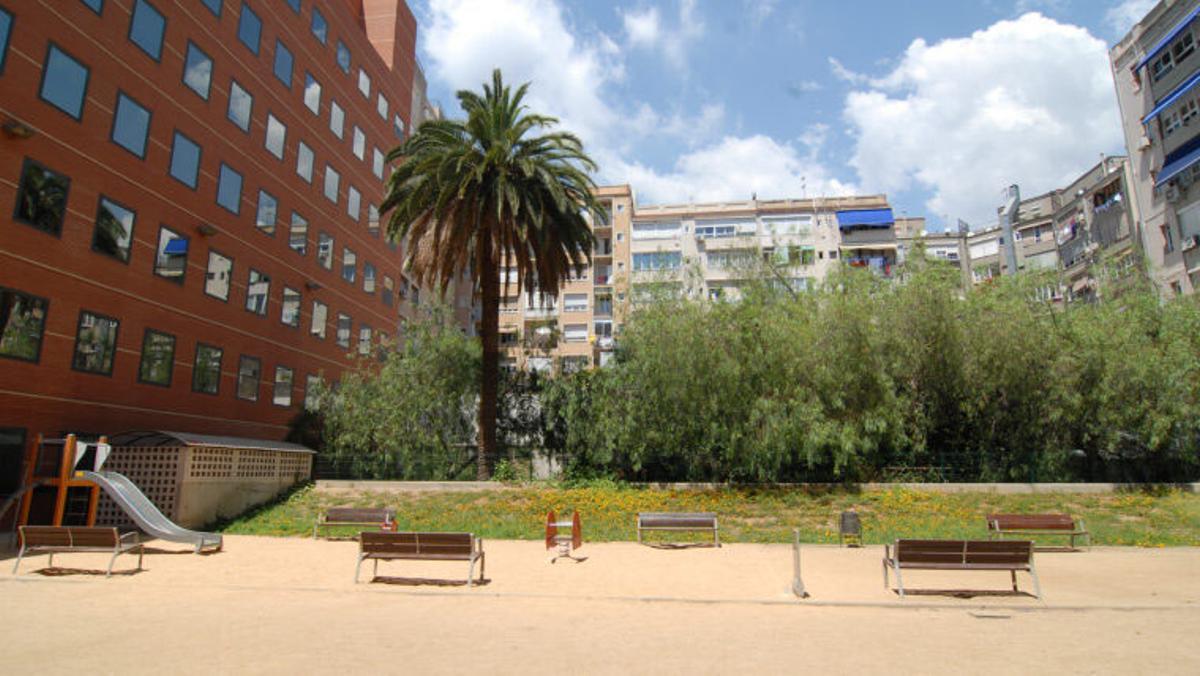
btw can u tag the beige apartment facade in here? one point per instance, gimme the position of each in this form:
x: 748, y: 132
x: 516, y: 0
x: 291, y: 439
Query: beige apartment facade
x: 1156, y: 70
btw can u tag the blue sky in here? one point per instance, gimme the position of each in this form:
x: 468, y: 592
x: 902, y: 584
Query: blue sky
x: 940, y: 107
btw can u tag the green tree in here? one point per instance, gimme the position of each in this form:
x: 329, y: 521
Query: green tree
x: 493, y: 191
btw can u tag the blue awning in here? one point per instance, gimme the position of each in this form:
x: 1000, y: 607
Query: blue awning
x: 866, y: 218
x: 179, y: 245
x: 1174, y: 96
x: 1177, y: 166
x: 1166, y: 40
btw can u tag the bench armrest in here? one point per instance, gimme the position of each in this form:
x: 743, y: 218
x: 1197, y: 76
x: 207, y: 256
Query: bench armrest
x: 131, y: 536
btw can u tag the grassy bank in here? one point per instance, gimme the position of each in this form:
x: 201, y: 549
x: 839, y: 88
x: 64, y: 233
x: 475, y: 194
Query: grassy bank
x: 1169, y: 518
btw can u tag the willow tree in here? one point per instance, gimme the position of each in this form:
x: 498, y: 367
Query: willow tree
x: 501, y: 189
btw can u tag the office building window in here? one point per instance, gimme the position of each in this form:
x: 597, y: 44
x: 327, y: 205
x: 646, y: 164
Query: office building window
x: 312, y: 93
x: 158, y: 358
x: 241, y: 103
x: 320, y: 316
x: 320, y: 28
x: 389, y: 290
x: 96, y: 6
x: 146, y: 28
x: 369, y: 278
x: 170, y: 259
x: 258, y: 291
x: 206, y: 370
x: 349, y: 265
x: 219, y: 275
x: 249, y: 28
x: 95, y: 343
x: 185, y: 160
x: 283, y: 64
x: 276, y: 136
x: 214, y: 6
x: 304, y: 161
x: 268, y: 209
x: 325, y: 250
x: 64, y: 82
x: 332, y: 179
x: 360, y: 143
x: 131, y: 125
x: 282, y: 396
x: 298, y: 235
x: 229, y: 188
x: 337, y: 119
x: 197, y: 70
x: 312, y: 387
x: 295, y: 5
x: 377, y: 163
x: 113, y: 234
x: 364, y: 83
x: 381, y: 106
x: 364, y: 340
x: 343, y: 57
x: 373, y: 220
x: 22, y: 323
x: 398, y: 127
x: 343, y: 330
x: 42, y: 197
x: 249, y: 373
x: 289, y: 312
x: 353, y: 204
x: 6, y: 22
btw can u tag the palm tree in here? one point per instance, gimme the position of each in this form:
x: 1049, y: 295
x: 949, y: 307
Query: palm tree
x: 497, y: 190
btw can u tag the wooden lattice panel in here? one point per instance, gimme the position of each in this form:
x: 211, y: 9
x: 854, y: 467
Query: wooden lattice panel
x: 212, y: 463
x: 154, y: 470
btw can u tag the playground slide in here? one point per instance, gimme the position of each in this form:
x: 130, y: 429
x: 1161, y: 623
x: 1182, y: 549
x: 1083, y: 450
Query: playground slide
x: 143, y: 512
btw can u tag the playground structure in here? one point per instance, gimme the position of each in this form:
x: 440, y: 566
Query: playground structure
x: 54, y: 493
x: 563, y: 543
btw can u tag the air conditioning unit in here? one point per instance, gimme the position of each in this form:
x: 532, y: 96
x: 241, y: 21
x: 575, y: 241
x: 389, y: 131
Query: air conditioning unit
x: 1190, y: 243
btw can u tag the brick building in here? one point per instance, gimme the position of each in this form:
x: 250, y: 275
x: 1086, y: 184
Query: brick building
x: 189, y: 234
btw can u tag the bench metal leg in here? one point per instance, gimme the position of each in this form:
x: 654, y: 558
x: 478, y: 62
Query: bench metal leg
x: 18, y: 563
x: 716, y: 536
x: 482, y: 562
x: 885, y: 574
x: 141, y: 553
x: 51, y: 562
x: 639, y: 535
x: 899, y: 582
x: 1014, y: 579
x: 111, y: 562
x: 375, y: 569
x: 1037, y: 586
x: 358, y: 567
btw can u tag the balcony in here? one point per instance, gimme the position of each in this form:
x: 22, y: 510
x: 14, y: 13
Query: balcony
x: 540, y: 311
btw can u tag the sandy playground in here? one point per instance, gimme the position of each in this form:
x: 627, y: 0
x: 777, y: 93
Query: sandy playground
x: 289, y: 605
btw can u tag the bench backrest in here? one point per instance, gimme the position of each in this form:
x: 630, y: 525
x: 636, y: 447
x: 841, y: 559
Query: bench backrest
x: 360, y: 515
x: 964, y: 552
x: 1030, y: 522
x: 677, y: 519
x: 418, y: 544
x: 68, y: 536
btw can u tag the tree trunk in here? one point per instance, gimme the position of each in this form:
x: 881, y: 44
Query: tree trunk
x: 489, y: 335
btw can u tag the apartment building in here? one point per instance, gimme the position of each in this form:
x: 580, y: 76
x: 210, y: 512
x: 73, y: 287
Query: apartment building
x: 190, y: 237
x: 1083, y: 232
x: 1156, y: 71
x: 575, y: 330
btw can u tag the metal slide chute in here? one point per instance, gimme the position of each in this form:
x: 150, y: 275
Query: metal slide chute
x: 143, y: 512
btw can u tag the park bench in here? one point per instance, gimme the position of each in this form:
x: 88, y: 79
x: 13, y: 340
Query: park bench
x: 385, y: 546
x: 678, y: 521
x: 62, y: 539
x: 380, y: 517
x: 1010, y: 555
x: 1000, y: 525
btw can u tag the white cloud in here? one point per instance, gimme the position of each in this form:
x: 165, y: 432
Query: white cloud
x: 645, y: 29
x: 577, y: 80
x: 732, y: 169
x: 1027, y: 101
x: 1122, y: 16
x: 844, y: 74
x: 759, y: 10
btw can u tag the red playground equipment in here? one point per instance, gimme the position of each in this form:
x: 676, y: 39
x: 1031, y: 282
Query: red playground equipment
x: 565, y: 543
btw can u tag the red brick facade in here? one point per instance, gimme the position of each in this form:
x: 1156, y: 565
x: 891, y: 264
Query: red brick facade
x: 48, y: 395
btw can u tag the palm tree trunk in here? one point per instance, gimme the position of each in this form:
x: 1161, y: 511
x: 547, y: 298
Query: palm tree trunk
x: 489, y: 334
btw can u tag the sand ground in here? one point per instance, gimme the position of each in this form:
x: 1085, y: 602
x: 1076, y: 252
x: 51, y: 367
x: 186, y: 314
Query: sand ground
x: 289, y: 605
